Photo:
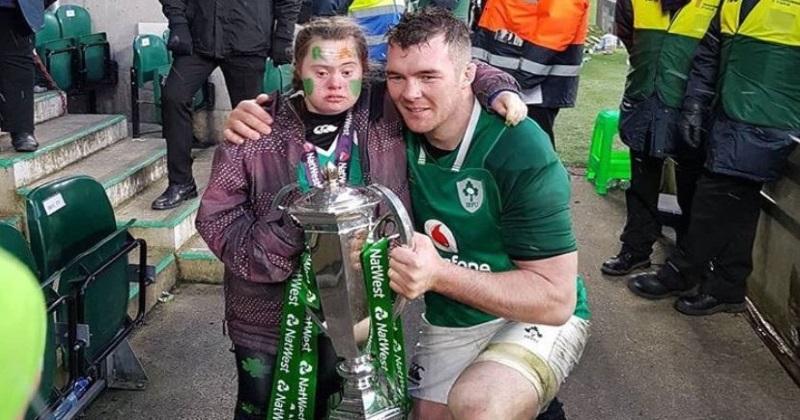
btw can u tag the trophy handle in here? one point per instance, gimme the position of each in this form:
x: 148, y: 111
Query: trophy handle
x: 405, y: 230
x: 405, y: 227
x: 281, y: 195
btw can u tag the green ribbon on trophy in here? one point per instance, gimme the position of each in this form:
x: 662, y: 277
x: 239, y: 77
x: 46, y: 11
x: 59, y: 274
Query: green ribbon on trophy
x: 294, y: 380
x: 386, y: 332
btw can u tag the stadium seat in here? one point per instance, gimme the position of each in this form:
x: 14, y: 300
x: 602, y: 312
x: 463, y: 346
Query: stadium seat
x: 95, y: 66
x: 151, y: 64
x: 277, y: 79
x: 59, y: 55
x: 12, y: 241
x: 78, y: 247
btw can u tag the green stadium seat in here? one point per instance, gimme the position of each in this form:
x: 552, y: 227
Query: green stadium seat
x: 95, y: 53
x: 95, y: 66
x: 277, y: 79
x: 80, y: 251
x: 58, y: 55
x: 51, y: 31
x: 151, y: 64
x: 75, y: 21
x: 12, y: 241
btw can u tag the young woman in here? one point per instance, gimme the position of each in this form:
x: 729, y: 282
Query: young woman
x: 335, y: 112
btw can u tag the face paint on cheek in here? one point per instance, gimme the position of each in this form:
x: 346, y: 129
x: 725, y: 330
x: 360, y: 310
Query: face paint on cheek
x: 355, y: 87
x: 308, y: 86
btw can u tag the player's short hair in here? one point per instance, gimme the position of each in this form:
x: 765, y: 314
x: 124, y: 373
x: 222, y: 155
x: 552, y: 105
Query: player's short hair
x: 419, y: 27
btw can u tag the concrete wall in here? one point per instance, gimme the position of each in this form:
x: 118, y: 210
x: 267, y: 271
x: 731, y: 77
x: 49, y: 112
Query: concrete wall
x: 774, y: 285
x: 120, y: 20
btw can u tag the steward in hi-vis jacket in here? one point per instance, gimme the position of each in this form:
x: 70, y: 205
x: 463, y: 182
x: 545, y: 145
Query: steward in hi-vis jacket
x: 376, y: 17
x: 540, y: 43
x: 744, y: 75
x: 661, y: 38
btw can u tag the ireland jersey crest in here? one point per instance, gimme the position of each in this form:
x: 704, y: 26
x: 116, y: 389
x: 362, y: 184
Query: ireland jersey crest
x: 470, y: 194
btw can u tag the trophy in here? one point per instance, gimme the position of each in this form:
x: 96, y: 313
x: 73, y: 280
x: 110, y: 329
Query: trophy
x: 336, y: 216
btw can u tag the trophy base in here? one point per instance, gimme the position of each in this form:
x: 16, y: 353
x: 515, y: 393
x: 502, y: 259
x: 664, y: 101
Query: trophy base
x: 364, y: 393
x: 386, y: 414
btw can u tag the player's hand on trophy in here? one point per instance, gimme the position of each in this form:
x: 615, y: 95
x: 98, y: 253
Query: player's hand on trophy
x: 248, y: 121
x: 413, y: 270
x: 508, y: 104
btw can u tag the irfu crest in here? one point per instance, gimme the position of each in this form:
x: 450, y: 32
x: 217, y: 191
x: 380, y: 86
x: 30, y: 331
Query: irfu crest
x: 470, y: 194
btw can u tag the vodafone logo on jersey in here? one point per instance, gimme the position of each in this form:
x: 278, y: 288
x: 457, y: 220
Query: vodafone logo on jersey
x: 441, y: 235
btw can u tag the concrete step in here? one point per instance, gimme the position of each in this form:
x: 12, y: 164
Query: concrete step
x: 49, y: 105
x: 163, y: 260
x: 62, y: 141
x: 197, y: 264
x: 166, y: 228
x: 124, y: 168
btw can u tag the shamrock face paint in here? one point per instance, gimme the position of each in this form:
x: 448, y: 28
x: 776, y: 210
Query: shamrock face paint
x: 308, y: 86
x: 355, y: 87
x: 332, y: 76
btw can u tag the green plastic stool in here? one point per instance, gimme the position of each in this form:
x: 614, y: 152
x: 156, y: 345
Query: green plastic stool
x: 607, y: 166
x: 277, y: 79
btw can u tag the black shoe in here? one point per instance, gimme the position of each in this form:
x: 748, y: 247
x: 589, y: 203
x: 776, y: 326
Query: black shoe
x: 624, y: 263
x: 24, y: 142
x: 705, y: 304
x: 648, y: 286
x: 174, y: 196
x: 555, y: 411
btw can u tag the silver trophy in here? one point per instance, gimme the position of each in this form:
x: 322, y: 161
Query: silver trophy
x: 336, y: 218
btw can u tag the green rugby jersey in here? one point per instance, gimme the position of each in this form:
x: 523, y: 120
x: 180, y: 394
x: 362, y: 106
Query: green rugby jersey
x: 502, y: 195
x: 354, y: 172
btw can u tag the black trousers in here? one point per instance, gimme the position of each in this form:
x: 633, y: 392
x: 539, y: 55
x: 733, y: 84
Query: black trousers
x: 546, y: 118
x: 643, y: 225
x: 243, y: 77
x: 255, y: 371
x: 717, y: 253
x: 16, y: 72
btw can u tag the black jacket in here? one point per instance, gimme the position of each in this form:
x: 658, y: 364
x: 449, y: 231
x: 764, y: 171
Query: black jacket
x: 221, y: 28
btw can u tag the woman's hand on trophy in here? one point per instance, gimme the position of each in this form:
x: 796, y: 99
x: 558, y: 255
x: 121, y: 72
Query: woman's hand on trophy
x: 248, y: 121
x: 508, y: 104
x: 414, y: 270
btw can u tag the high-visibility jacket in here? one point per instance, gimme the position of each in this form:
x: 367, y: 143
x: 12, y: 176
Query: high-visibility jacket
x: 661, y: 47
x: 746, y: 68
x: 539, y: 42
x: 759, y: 75
x: 376, y: 17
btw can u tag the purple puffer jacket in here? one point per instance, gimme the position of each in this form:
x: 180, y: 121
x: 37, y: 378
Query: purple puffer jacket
x: 259, y: 247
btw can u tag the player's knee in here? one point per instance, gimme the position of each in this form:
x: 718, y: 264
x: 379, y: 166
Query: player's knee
x: 474, y: 402
x: 467, y: 402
